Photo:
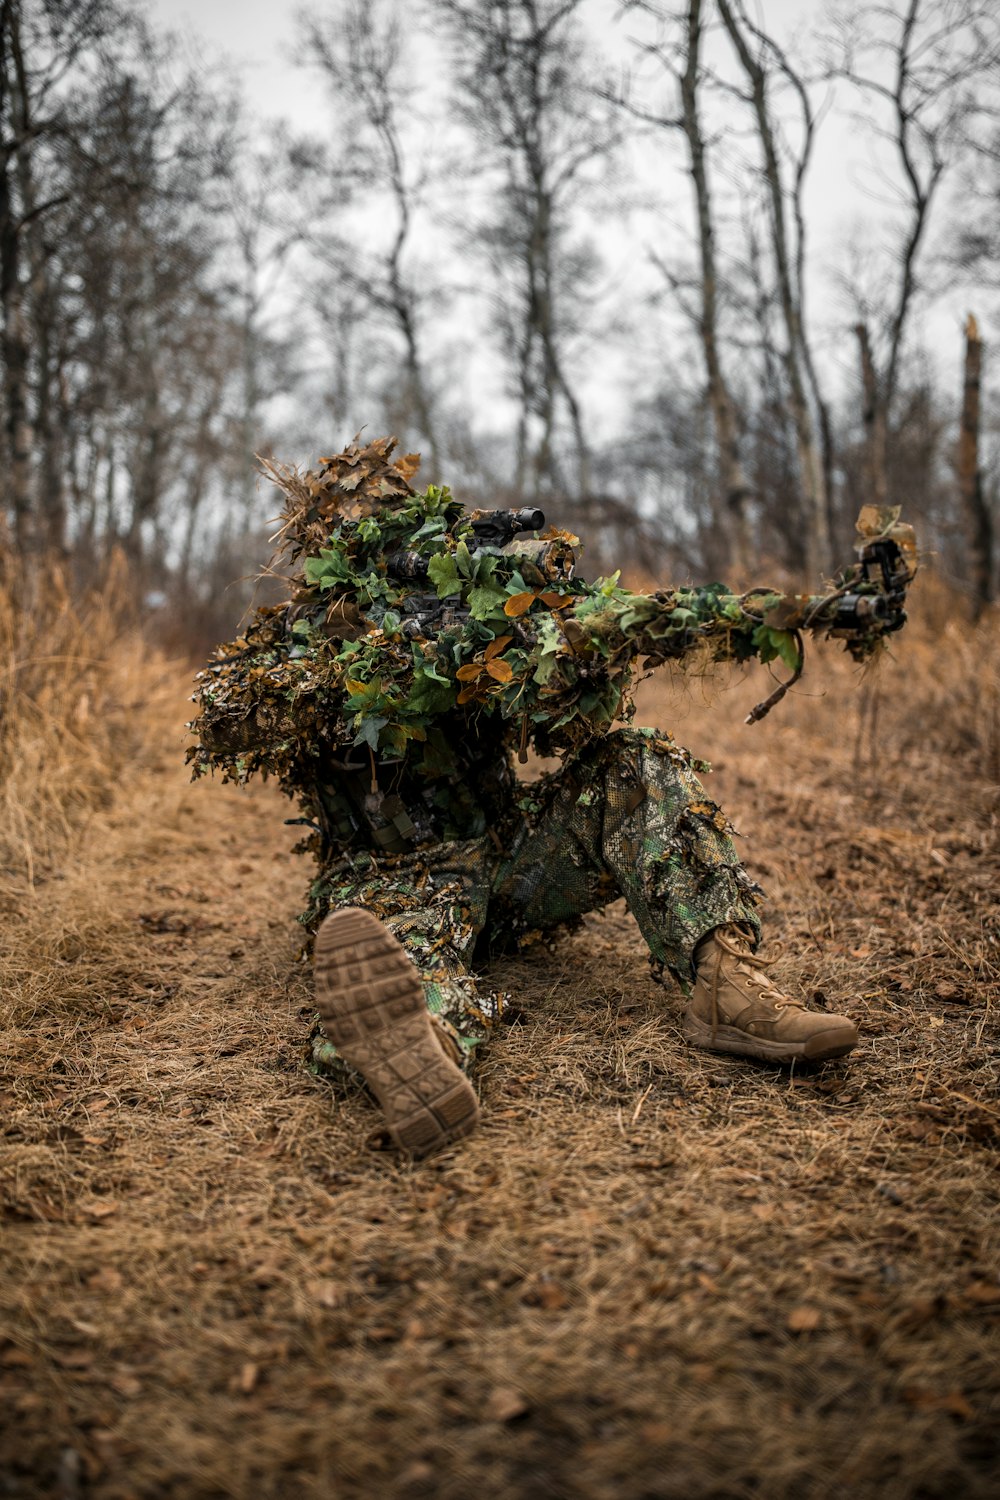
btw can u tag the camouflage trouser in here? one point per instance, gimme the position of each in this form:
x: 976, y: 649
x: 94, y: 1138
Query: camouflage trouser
x: 627, y: 816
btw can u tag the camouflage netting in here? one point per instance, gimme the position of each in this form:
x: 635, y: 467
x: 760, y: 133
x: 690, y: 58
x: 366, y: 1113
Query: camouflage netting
x: 371, y: 662
x: 420, y: 648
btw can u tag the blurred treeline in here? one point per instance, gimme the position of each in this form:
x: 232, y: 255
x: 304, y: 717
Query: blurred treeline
x: 562, y: 248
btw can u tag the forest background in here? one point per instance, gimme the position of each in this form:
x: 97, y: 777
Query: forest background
x: 694, y: 277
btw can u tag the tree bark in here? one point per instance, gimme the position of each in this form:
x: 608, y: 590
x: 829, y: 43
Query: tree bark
x: 876, y: 422
x: 978, y: 520
x: 14, y: 341
x: 815, y: 508
x: 735, y: 490
x: 46, y: 431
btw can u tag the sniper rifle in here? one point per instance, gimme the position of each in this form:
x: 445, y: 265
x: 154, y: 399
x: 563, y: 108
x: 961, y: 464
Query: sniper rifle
x: 868, y: 602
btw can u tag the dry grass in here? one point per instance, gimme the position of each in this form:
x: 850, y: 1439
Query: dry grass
x: 82, y: 699
x: 655, y: 1272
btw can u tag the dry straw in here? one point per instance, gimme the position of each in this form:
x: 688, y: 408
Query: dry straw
x: 81, y: 707
x: 655, y: 1272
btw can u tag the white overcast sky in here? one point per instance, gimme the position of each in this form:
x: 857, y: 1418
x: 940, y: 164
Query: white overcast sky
x: 847, y: 204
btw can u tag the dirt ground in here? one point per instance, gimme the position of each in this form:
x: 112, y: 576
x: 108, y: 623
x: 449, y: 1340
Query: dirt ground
x: 655, y: 1272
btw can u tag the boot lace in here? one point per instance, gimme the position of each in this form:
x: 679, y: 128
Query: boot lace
x: 732, y: 941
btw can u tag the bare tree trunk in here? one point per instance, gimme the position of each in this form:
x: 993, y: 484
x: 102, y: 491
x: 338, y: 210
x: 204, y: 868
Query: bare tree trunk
x: 194, y: 494
x: 932, y: 100
x: 47, y: 429
x: 811, y: 467
x: 555, y: 382
x: 521, y: 64
x: 363, y: 55
x: 17, y: 423
x: 735, y: 490
x: 14, y: 341
x: 876, y: 421
x: 403, y: 302
x: 251, y: 382
x: 979, y: 522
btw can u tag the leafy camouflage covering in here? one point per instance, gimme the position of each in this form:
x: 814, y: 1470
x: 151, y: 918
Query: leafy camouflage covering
x: 422, y: 683
x: 389, y: 694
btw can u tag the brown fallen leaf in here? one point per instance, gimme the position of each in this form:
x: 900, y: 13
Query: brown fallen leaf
x: 924, y: 1310
x: 505, y: 1404
x: 983, y: 1292
x: 551, y: 1295
x: 249, y: 1375
x: 98, y: 1208
x: 803, y: 1319
x: 16, y: 1358
x: 73, y: 1359
x: 951, y: 1402
x: 107, y: 1279
x: 326, y: 1293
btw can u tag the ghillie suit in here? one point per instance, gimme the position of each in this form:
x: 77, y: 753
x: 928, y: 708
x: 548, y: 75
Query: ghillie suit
x: 421, y: 649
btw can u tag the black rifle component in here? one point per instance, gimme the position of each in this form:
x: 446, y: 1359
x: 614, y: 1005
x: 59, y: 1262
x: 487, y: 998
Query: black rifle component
x: 491, y: 528
x: 885, y: 574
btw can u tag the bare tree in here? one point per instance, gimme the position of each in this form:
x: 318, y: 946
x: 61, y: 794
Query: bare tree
x: 18, y: 129
x: 269, y: 204
x: 362, y: 54
x: 978, y: 518
x: 927, y: 75
x: 522, y: 68
x: 39, y: 47
x: 105, y: 251
x: 761, y: 58
x: 679, y: 55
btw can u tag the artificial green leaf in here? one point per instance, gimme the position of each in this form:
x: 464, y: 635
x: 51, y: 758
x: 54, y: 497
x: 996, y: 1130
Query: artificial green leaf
x: 369, y: 729
x: 443, y: 573
x: 328, y: 568
x: 486, y: 601
x: 430, y: 695
x: 772, y: 643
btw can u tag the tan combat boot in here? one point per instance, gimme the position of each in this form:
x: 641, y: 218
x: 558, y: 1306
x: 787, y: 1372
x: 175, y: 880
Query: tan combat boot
x: 371, y: 1003
x: 735, y: 1008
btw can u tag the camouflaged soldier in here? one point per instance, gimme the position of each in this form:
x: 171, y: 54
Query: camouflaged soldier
x: 422, y: 649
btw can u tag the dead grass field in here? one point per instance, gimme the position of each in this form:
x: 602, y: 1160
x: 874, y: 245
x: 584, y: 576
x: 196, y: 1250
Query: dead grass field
x: 654, y: 1273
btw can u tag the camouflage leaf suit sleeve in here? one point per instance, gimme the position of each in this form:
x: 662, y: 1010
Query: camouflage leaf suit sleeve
x: 390, y: 694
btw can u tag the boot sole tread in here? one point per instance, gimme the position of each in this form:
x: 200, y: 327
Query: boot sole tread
x: 372, y: 1007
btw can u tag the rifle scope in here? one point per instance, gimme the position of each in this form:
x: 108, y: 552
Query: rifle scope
x: 492, y: 528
